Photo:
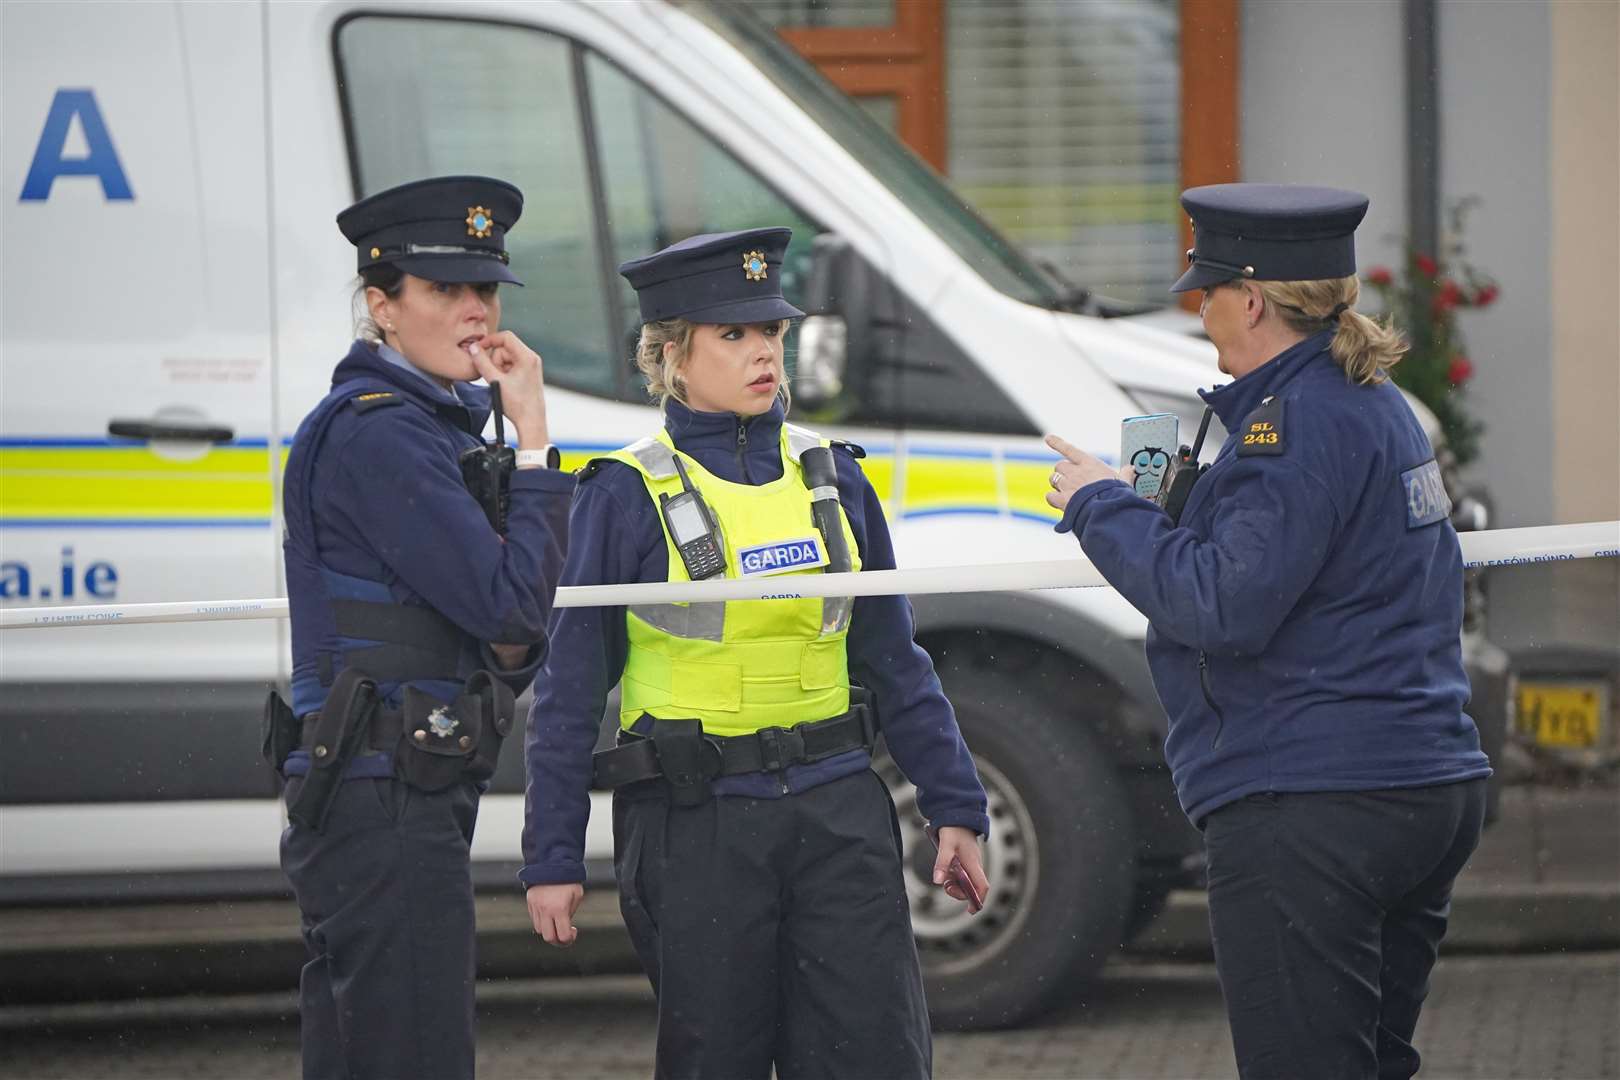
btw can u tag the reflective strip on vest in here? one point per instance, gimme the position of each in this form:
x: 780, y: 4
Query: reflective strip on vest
x: 800, y: 439
x: 703, y: 622
x: 655, y: 459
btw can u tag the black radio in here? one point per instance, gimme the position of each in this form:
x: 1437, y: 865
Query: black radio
x: 486, y: 469
x: 694, y: 529
x: 1182, y: 474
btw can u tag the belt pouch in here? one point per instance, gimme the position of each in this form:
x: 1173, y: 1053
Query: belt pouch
x: 279, y: 730
x: 438, y: 739
x: 345, y: 717
x: 681, y: 751
x: 497, y: 709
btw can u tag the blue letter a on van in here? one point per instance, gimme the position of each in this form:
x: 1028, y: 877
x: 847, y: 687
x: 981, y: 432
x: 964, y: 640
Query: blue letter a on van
x: 49, y: 162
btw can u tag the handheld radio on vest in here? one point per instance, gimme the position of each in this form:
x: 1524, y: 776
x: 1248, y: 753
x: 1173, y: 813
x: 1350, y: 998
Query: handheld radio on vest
x: 486, y: 469
x: 1183, y: 473
x: 693, y: 528
x: 821, y: 477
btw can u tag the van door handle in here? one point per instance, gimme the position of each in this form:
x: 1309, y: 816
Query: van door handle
x: 147, y: 430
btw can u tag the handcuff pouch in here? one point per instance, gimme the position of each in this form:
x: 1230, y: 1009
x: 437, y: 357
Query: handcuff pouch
x: 441, y: 743
x: 688, y: 759
x: 436, y: 739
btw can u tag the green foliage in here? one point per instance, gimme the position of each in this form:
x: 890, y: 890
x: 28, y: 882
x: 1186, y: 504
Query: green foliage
x: 1423, y: 299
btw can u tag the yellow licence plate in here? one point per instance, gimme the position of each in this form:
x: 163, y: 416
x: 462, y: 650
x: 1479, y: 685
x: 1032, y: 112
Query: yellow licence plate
x: 1562, y: 714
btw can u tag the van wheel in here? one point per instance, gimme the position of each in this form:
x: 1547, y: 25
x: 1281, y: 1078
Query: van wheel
x: 1145, y: 908
x: 1060, y: 860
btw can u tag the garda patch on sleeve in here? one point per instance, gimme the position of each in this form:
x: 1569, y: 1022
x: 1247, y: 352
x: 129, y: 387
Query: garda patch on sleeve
x: 1425, y: 495
x: 783, y: 557
x: 375, y: 399
x: 1261, y: 432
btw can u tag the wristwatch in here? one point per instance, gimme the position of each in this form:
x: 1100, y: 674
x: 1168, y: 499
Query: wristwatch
x: 548, y: 456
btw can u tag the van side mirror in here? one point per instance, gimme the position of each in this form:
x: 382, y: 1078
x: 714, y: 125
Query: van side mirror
x: 838, y: 320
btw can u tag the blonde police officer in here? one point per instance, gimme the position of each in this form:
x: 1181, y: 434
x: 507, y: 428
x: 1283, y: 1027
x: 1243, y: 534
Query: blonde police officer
x: 1306, y: 614
x: 756, y: 851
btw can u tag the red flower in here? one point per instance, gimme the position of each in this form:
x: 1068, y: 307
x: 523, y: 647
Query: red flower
x: 1450, y: 295
x: 1486, y: 296
x: 1426, y: 264
x: 1460, y: 371
x: 1379, y: 275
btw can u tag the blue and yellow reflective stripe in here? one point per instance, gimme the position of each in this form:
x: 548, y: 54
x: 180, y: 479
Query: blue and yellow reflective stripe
x: 73, y: 481
x: 944, y: 480
x: 89, y: 482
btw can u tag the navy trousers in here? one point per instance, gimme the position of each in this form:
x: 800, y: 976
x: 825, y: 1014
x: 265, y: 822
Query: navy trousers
x: 775, y: 932
x: 1326, y: 910
x: 386, y: 900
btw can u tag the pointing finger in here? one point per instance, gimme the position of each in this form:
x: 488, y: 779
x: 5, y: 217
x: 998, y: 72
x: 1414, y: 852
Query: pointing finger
x: 1064, y: 447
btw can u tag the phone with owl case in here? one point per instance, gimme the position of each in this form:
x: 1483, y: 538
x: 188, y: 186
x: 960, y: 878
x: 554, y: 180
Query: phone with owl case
x: 1147, y: 444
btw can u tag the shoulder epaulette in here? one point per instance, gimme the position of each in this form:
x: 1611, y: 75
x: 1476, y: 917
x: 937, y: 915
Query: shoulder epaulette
x: 588, y: 470
x: 375, y: 399
x: 1261, y: 432
x: 854, y: 450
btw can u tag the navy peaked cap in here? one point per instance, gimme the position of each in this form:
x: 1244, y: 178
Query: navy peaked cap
x: 447, y: 228
x: 1270, y: 232
x: 733, y: 277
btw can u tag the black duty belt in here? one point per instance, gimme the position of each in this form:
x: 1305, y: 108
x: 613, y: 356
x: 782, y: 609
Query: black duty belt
x: 382, y: 734
x: 767, y: 750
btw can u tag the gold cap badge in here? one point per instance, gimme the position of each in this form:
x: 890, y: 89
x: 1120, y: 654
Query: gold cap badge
x: 754, y: 265
x: 479, y: 223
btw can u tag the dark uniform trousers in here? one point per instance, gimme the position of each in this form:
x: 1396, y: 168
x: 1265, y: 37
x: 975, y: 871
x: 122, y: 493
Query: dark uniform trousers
x: 1326, y: 912
x: 775, y: 931
x: 387, y: 901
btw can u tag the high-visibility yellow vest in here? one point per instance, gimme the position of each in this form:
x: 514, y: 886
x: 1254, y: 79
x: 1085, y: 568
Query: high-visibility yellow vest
x: 740, y: 666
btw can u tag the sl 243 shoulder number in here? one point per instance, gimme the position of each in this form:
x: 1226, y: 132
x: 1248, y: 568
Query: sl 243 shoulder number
x: 1262, y: 430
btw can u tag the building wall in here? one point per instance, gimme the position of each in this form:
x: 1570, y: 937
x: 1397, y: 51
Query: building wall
x: 1495, y: 98
x: 1585, y: 141
x: 1585, y: 138
x: 1323, y: 102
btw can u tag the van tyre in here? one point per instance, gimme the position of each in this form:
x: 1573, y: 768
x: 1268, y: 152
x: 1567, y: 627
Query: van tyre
x: 1061, y: 860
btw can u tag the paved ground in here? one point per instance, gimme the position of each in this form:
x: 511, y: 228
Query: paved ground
x: 1488, y: 1016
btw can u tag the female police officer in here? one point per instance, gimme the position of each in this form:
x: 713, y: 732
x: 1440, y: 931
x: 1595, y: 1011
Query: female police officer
x: 756, y: 851
x: 1305, y: 640
x: 412, y: 623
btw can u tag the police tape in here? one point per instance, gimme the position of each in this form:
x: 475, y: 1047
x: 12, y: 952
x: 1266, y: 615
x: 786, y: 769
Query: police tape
x: 1497, y: 547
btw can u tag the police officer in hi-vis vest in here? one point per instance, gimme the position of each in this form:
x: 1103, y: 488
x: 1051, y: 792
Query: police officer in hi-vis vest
x: 413, y: 623
x: 756, y: 851
x: 1306, y: 609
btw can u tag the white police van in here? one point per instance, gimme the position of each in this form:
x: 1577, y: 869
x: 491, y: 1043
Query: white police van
x: 176, y: 295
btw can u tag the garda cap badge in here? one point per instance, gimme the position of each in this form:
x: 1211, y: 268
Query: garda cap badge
x: 441, y: 723
x: 754, y: 265
x: 479, y: 223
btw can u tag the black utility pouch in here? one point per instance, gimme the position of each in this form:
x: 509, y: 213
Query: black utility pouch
x: 344, y: 719
x: 497, y: 709
x: 689, y: 760
x: 437, y: 740
x: 279, y: 730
